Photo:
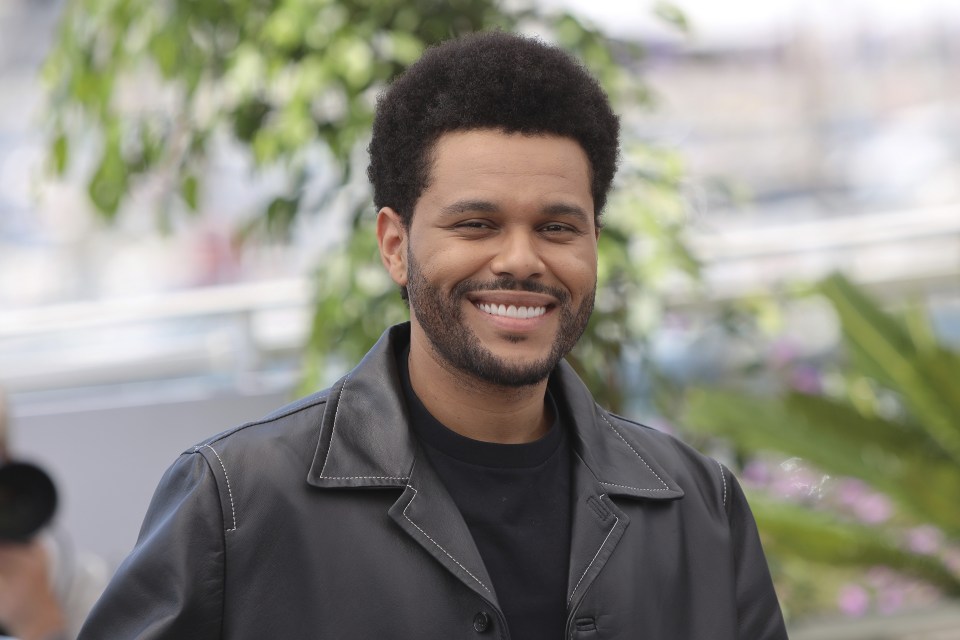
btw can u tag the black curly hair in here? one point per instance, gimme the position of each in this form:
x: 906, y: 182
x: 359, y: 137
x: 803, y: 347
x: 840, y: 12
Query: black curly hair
x: 491, y: 80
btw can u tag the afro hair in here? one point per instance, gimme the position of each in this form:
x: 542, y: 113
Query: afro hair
x: 490, y: 80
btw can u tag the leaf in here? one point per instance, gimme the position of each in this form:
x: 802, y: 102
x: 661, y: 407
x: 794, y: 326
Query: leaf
x: 876, y: 333
x: 818, y: 537
x: 673, y: 15
x: 189, y: 189
x: 248, y: 118
x: 59, y: 151
x: 919, y: 329
x: 352, y: 57
x: 839, y: 440
x: 165, y: 49
x: 109, y: 182
x: 928, y: 380
x: 404, y: 47
x: 280, y: 215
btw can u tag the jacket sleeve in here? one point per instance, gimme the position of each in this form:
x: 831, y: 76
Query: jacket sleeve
x: 171, y: 584
x: 758, y: 611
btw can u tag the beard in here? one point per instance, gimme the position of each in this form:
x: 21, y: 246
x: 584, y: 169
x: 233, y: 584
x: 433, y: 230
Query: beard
x: 441, y: 318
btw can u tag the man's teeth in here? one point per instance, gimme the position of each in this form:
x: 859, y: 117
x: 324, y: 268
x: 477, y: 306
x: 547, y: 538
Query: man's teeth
x: 512, y: 311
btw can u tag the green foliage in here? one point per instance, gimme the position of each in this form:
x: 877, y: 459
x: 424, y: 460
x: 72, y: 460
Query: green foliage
x: 356, y: 300
x: 153, y: 80
x: 925, y: 375
x: 642, y: 259
x: 820, y: 538
x: 282, y: 75
x: 895, y: 428
x: 672, y: 14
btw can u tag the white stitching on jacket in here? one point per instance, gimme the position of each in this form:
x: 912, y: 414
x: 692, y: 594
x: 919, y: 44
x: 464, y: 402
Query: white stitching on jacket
x: 616, y: 521
x: 364, y: 478
x: 623, y: 486
x: 724, y: 478
x: 229, y: 490
x: 614, y: 429
x: 415, y: 493
x: 333, y: 427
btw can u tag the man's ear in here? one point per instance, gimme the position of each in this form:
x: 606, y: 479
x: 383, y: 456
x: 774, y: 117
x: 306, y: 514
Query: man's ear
x: 392, y: 239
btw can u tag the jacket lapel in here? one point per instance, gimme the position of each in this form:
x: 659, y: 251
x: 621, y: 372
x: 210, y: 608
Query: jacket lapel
x: 595, y: 530
x: 612, y: 452
x: 609, y: 462
x: 365, y: 441
x: 428, y: 514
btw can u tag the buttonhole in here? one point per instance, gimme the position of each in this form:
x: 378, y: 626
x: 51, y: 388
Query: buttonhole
x: 598, y: 507
x: 585, y: 624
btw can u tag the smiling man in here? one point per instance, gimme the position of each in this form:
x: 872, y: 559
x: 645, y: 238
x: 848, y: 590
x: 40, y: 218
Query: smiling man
x: 500, y: 265
x: 460, y: 482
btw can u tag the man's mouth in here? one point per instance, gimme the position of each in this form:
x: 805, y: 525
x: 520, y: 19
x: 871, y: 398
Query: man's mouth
x: 511, y: 311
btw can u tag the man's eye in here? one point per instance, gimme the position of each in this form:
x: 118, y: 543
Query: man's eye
x: 558, y: 228
x: 473, y: 224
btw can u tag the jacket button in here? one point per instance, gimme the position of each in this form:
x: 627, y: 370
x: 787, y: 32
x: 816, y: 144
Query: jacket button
x: 481, y: 622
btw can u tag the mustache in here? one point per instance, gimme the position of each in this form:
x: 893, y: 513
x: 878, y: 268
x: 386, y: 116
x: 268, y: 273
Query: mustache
x: 509, y: 283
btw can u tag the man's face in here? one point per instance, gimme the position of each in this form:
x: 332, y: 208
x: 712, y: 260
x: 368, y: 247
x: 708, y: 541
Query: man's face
x: 501, y: 254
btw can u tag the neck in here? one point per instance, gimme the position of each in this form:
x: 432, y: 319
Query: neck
x: 475, y: 408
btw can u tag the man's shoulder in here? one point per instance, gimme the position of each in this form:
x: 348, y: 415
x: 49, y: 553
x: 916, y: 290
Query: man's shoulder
x: 648, y: 435
x: 295, y: 423
x: 677, y: 457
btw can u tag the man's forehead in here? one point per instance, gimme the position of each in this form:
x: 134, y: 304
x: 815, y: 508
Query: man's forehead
x: 494, y: 150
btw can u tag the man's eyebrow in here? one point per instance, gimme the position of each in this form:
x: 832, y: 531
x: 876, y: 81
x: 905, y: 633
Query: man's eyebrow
x: 563, y: 209
x: 469, y: 206
x: 485, y: 206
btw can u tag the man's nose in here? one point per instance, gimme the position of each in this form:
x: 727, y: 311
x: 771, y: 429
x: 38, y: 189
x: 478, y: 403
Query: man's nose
x: 518, y: 255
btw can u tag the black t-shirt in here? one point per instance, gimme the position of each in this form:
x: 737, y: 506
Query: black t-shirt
x: 515, y: 499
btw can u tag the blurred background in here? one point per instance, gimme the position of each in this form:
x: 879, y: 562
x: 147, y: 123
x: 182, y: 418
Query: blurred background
x: 185, y: 228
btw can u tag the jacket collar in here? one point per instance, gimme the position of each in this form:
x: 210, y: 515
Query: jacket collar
x: 365, y: 440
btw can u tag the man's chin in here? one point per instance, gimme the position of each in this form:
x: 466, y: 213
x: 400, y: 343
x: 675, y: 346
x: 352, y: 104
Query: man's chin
x: 513, y: 373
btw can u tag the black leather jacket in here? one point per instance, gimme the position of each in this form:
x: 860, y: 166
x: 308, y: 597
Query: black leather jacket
x: 324, y: 521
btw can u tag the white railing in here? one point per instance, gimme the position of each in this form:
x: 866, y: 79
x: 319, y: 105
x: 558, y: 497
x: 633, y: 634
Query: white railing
x: 226, y: 331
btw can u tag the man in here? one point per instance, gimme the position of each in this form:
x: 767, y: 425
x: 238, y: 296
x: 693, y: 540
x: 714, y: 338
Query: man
x: 460, y: 481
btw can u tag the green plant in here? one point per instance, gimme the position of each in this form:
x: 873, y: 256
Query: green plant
x: 152, y: 82
x: 894, y: 424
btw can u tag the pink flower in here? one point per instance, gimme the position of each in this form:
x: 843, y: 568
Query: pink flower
x: 867, y: 505
x: 782, y: 352
x: 925, y: 539
x: 806, y: 379
x: 797, y: 482
x: 756, y: 473
x: 850, y: 491
x: 873, y: 509
x: 891, y: 600
x: 853, y: 600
